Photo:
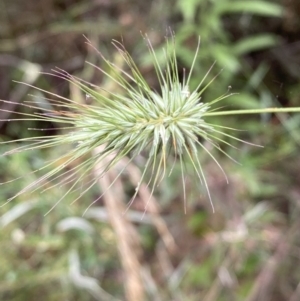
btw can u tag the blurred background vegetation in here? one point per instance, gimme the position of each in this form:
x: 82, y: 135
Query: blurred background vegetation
x: 248, y: 250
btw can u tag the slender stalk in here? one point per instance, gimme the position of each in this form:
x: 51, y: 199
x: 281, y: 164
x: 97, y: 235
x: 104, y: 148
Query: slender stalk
x: 253, y: 111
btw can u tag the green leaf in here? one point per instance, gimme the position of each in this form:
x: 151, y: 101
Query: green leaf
x: 244, y: 100
x: 262, y: 8
x: 225, y: 58
x: 188, y: 9
x: 255, y: 43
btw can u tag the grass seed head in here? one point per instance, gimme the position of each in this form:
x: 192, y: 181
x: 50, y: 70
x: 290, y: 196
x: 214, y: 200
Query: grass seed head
x: 167, y: 123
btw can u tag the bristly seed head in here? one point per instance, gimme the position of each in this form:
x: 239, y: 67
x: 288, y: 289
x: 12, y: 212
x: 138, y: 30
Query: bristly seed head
x: 168, y: 123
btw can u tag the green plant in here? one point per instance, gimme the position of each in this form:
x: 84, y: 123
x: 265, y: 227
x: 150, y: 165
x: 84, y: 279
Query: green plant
x: 171, y: 125
x: 230, y: 30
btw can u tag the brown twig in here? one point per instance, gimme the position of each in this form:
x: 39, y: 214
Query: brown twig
x: 127, y: 237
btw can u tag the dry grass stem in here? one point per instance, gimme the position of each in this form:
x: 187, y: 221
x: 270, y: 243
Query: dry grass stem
x: 127, y: 237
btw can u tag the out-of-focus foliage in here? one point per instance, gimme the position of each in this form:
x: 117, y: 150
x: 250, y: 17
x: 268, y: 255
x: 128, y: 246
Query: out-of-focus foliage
x: 248, y: 249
